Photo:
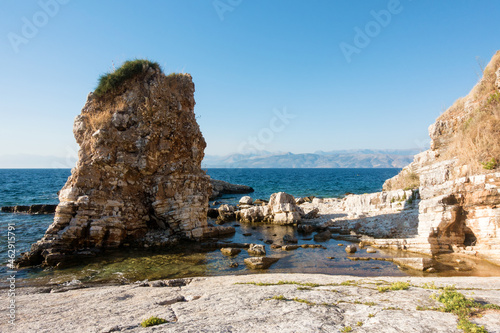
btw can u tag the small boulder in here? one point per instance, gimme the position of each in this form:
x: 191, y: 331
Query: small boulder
x: 259, y: 262
x: 306, y: 228
x: 257, y: 250
x: 371, y: 250
x: 246, y: 200
x: 290, y: 239
x: 230, y: 251
x: 322, y: 236
x: 226, y: 213
x: 312, y: 214
x: 351, y: 249
x: 290, y: 247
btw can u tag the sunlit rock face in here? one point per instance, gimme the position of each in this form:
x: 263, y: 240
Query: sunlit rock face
x: 459, y: 207
x: 138, y: 180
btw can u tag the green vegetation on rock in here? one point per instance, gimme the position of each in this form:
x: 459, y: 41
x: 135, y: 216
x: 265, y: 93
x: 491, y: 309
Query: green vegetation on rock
x: 394, y: 286
x: 111, y: 81
x: 152, y: 321
x: 456, y: 303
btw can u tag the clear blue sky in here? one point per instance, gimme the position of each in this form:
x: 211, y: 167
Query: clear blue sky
x: 249, y: 59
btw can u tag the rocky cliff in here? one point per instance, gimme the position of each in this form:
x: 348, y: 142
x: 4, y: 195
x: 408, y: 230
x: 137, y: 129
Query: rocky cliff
x: 138, y: 178
x: 458, y: 178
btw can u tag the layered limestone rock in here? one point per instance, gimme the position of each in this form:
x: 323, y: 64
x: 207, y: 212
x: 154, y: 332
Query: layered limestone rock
x: 138, y: 179
x: 459, y: 209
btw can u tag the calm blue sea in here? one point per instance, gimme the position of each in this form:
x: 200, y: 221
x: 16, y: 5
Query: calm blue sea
x: 40, y: 186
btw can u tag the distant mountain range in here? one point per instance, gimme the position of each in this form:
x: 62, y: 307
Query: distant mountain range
x: 362, y: 158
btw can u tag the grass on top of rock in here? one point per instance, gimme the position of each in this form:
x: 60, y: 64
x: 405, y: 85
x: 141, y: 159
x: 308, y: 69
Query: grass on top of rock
x: 110, y: 82
x: 153, y: 321
x: 475, y: 142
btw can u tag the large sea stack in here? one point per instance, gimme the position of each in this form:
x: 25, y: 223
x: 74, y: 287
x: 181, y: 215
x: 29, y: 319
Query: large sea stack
x: 138, y: 179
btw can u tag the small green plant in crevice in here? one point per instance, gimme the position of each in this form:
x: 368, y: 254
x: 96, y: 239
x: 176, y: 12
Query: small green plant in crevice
x: 490, y: 165
x: 305, y: 301
x: 305, y: 284
x: 111, y: 81
x: 279, y: 298
x: 429, y: 285
x: 346, y: 329
x: 394, y: 286
x: 153, y: 321
x: 359, y: 323
x: 349, y: 283
x: 371, y: 315
x: 392, y: 308
x: 304, y: 288
x: 370, y: 303
x: 296, y: 299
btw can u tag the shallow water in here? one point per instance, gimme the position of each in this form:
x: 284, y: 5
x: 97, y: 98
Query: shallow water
x: 191, y: 259
x: 26, y: 187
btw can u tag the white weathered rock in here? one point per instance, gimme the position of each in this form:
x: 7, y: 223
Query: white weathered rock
x: 283, y: 209
x: 190, y: 308
x: 257, y: 250
x: 246, y: 200
x: 253, y: 214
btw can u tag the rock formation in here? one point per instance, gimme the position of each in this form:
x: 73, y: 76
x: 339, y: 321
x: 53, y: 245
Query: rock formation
x: 220, y: 187
x: 33, y: 209
x: 448, y: 199
x: 458, y: 178
x: 281, y: 209
x: 138, y: 178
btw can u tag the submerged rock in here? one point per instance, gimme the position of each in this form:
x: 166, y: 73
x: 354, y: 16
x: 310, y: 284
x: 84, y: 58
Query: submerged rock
x: 351, y: 249
x: 260, y: 262
x: 322, y: 236
x: 230, y: 251
x: 420, y: 264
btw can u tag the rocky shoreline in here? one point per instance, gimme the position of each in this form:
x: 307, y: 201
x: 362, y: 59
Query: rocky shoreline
x: 257, y: 303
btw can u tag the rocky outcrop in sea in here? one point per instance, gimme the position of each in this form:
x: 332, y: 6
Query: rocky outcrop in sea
x: 138, y: 178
